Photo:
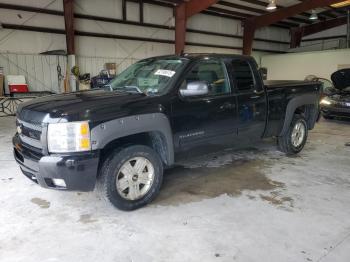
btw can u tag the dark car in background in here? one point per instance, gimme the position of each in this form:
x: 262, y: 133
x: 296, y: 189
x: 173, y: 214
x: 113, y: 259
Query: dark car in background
x: 102, y: 79
x: 336, y: 103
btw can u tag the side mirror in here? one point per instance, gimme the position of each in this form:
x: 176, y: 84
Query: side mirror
x: 263, y: 72
x: 198, y: 88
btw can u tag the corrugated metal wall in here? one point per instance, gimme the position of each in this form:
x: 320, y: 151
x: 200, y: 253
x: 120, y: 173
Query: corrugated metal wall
x: 41, y: 71
x: 17, y: 47
x: 93, y: 65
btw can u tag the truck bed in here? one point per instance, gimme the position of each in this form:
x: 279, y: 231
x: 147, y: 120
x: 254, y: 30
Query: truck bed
x: 279, y: 95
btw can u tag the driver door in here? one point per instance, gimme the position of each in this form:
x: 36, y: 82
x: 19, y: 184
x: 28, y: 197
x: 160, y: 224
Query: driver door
x: 205, y: 119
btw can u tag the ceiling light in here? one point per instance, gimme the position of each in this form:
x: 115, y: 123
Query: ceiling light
x: 313, y: 15
x: 271, y: 5
x: 341, y: 4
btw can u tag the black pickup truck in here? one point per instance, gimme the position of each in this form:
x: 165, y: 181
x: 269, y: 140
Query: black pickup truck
x: 121, y: 138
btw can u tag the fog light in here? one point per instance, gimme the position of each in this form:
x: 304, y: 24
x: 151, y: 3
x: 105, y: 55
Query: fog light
x: 58, y: 182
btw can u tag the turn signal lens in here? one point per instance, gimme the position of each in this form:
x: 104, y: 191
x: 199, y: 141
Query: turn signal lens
x: 84, y: 129
x: 85, y: 143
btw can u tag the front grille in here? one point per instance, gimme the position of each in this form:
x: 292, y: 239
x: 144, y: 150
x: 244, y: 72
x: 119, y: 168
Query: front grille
x: 344, y: 104
x: 341, y: 104
x: 30, y: 134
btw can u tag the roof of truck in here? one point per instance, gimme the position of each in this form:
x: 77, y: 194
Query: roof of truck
x: 214, y: 55
x: 195, y: 56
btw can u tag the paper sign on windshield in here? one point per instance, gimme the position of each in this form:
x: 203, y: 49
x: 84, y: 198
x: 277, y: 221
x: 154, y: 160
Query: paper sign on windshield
x: 163, y: 72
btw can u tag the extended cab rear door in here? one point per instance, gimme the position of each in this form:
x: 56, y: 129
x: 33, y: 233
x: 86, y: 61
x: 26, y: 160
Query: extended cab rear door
x: 251, y: 97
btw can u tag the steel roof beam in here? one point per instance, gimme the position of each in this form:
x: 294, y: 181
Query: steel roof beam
x: 182, y: 12
x: 299, y: 32
x: 253, y: 23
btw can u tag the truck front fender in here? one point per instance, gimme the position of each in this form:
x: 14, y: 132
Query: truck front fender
x: 106, y: 132
x: 294, y: 103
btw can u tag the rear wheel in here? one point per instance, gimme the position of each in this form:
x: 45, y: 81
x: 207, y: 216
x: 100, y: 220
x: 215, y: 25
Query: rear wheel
x: 131, y: 177
x: 295, y: 138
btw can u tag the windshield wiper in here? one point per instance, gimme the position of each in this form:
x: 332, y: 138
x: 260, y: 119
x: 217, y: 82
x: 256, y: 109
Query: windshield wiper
x: 133, y: 88
x: 129, y: 89
x: 108, y: 87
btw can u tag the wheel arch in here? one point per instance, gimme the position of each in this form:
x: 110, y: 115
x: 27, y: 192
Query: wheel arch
x: 306, y: 105
x: 147, y: 129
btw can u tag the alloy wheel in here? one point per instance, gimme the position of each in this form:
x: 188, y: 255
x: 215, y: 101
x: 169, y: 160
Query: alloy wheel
x: 135, y: 178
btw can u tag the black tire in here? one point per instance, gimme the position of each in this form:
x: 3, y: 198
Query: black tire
x: 285, y: 142
x: 106, y: 184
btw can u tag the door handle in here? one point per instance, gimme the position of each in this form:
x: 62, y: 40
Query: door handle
x: 226, y: 106
x: 258, y: 92
x: 255, y: 97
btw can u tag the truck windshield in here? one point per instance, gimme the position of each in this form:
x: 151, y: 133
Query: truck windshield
x: 150, y: 76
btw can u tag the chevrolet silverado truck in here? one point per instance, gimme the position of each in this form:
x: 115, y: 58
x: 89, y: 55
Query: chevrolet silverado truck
x: 121, y: 138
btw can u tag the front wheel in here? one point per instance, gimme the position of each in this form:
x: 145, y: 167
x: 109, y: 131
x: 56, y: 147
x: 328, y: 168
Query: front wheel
x: 131, y: 177
x: 295, y: 138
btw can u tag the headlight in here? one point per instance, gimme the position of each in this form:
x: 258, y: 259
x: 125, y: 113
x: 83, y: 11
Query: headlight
x: 68, y: 137
x: 326, y: 101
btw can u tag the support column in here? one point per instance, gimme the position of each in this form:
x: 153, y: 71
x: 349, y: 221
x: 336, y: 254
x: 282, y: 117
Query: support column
x: 68, y: 9
x: 124, y: 4
x: 296, y: 35
x: 248, y: 37
x: 183, y: 11
x: 180, y: 28
x: 348, y: 29
x: 141, y: 11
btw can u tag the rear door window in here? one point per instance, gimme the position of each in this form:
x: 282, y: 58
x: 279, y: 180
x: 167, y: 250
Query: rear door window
x: 243, y: 75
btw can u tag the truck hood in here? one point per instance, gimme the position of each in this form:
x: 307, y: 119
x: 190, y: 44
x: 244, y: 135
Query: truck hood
x: 90, y: 105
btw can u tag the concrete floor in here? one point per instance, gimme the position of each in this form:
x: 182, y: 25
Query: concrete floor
x: 255, y: 205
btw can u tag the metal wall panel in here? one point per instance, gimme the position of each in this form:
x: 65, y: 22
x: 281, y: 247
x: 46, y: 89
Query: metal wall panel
x: 93, y: 65
x: 40, y: 71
